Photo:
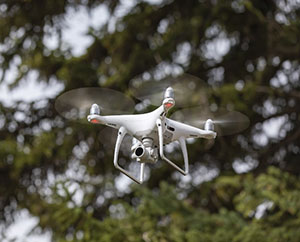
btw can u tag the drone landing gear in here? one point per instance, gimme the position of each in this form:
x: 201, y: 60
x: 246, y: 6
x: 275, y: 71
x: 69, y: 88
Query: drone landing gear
x: 122, y: 132
x: 182, y: 145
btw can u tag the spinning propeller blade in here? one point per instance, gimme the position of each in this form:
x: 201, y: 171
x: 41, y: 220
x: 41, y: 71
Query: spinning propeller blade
x: 225, y: 122
x: 75, y: 104
x: 108, y: 137
x: 185, y: 87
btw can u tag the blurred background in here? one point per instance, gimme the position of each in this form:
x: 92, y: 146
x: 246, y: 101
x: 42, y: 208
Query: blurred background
x: 57, y: 179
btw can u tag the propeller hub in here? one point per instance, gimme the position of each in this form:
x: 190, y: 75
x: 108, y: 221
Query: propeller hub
x: 95, y: 110
x: 209, y: 125
x: 169, y: 93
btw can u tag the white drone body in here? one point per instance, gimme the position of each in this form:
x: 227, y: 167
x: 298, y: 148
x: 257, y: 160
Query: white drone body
x: 150, y: 132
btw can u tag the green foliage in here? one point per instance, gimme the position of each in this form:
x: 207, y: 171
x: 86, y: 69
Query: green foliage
x: 60, y: 172
x: 161, y: 216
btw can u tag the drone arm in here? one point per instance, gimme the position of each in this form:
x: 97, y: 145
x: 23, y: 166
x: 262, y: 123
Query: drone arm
x: 206, y: 134
x: 183, y: 148
x: 121, y: 134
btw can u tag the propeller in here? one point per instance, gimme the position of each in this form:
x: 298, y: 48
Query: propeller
x: 225, y: 122
x: 108, y: 136
x: 185, y: 87
x: 75, y: 104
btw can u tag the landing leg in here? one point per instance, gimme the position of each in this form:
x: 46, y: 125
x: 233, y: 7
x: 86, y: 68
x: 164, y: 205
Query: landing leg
x: 121, y: 134
x: 182, y: 145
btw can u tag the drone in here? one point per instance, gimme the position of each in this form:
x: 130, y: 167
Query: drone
x: 151, y: 131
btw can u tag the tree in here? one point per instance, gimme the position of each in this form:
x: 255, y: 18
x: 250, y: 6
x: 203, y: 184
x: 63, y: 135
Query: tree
x: 48, y: 162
